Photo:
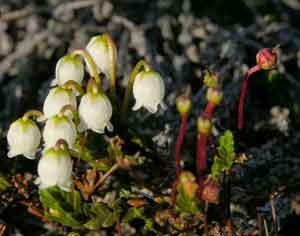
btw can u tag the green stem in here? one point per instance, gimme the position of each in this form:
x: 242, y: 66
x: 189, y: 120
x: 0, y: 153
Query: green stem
x: 133, y: 75
x: 112, y: 64
x: 266, y: 228
x: 89, y: 61
x: 32, y: 113
x: 71, y: 84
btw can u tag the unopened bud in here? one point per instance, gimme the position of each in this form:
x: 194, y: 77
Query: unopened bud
x: 266, y: 58
x: 183, y: 104
x: 204, y: 125
x: 210, y: 79
x: 188, y: 183
x: 214, y: 95
x: 211, y: 191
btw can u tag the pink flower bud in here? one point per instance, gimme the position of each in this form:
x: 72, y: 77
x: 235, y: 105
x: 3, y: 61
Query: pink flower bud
x: 266, y: 58
x: 211, y: 191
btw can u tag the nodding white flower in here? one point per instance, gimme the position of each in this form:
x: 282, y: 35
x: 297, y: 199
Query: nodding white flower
x: 95, y: 111
x: 23, y: 138
x: 148, y: 91
x: 56, y: 99
x: 59, y: 127
x: 55, y: 168
x: 68, y: 68
x: 98, y: 49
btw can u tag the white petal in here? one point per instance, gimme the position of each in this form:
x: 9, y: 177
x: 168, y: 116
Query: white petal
x: 30, y: 155
x: 11, y: 153
x: 151, y: 109
x: 54, y: 82
x: 82, y: 127
x: 109, y: 126
x: 136, y: 106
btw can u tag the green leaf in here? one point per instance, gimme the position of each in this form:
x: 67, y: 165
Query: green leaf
x: 125, y: 193
x: 226, y: 153
x: 226, y: 148
x: 132, y: 214
x: 185, y: 204
x: 4, y: 184
x: 101, y: 217
x: 59, y: 207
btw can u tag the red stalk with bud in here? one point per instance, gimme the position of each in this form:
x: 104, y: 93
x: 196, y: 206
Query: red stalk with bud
x: 266, y: 59
x: 183, y: 104
x: 214, y: 97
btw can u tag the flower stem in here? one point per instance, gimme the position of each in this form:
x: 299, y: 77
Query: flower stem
x: 74, y: 113
x: 274, y: 214
x: 201, y: 159
x: 206, y: 218
x: 243, y: 95
x: 32, y: 113
x: 62, y: 144
x: 179, y: 143
x: 89, y: 61
x: 209, y: 109
x: 177, y: 154
x: 112, y: 63
x: 71, y: 84
x: 106, y: 175
x: 129, y: 87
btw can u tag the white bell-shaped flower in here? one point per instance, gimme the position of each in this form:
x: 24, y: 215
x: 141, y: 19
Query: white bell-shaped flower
x: 23, y: 138
x: 55, y: 168
x: 56, y: 99
x: 59, y: 127
x: 148, y: 91
x: 95, y: 111
x: 68, y: 68
x: 98, y: 50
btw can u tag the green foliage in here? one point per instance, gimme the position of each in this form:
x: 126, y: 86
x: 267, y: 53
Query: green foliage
x: 62, y: 207
x: 226, y: 154
x: 134, y: 213
x: 4, y: 184
x: 67, y: 208
x: 100, y: 217
x: 185, y: 204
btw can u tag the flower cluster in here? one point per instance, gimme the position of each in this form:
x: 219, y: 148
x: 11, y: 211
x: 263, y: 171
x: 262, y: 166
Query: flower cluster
x: 70, y: 109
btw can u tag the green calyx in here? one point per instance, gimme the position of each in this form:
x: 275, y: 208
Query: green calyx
x: 100, y: 39
x: 59, y: 119
x: 72, y: 59
x: 57, y: 152
x: 25, y: 124
x: 61, y: 90
x: 144, y: 74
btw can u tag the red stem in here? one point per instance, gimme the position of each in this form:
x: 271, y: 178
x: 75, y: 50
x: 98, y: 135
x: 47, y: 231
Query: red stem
x: 209, y: 109
x: 243, y: 95
x: 201, y: 159
x: 179, y: 143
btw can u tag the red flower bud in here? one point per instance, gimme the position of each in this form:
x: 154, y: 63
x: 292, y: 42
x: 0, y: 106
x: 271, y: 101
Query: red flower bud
x: 211, y: 191
x: 266, y: 58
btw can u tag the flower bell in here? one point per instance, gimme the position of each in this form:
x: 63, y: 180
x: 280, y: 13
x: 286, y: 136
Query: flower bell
x: 59, y: 127
x: 68, y: 68
x: 56, y: 99
x: 98, y: 48
x: 95, y: 111
x: 23, y: 138
x: 55, y: 168
x: 148, y: 91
